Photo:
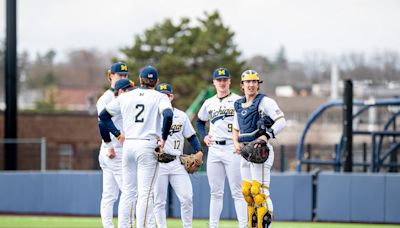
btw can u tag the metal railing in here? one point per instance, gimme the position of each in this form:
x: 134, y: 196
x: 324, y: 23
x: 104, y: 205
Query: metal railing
x: 376, y: 161
x: 42, y: 141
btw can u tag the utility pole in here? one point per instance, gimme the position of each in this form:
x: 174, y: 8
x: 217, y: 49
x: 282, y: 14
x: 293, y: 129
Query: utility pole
x: 348, y: 125
x: 10, y: 115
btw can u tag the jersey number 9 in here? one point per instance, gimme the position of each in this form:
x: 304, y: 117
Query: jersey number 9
x: 230, y: 127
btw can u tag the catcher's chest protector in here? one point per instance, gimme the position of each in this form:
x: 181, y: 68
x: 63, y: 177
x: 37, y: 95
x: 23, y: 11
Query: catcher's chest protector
x: 247, y: 118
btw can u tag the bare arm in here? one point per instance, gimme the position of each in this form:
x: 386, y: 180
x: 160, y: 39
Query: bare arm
x: 236, y: 141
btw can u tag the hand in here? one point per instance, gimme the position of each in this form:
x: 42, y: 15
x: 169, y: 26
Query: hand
x: 199, y: 155
x: 111, y: 153
x: 161, y: 142
x: 238, y: 147
x: 121, y: 139
x: 208, y: 140
x: 262, y: 137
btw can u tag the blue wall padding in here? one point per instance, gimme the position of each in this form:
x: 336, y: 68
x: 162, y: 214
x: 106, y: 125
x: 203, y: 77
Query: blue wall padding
x: 367, y: 198
x: 333, y: 197
x: 75, y: 193
x: 392, y: 198
x: 340, y: 197
x: 303, y: 197
x: 358, y: 197
x: 79, y: 193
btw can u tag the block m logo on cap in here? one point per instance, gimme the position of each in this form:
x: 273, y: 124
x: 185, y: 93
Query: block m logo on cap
x: 221, y: 73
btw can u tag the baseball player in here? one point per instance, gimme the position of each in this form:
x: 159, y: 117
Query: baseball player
x: 222, y: 160
x: 256, y: 177
x: 174, y: 172
x: 141, y: 110
x: 110, y: 155
x: 123, y: 85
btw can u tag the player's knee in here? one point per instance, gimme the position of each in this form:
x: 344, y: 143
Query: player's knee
x: 259, y: 199
x: 249, y: 199
x: 246, y: 188
x: 186, y: 201
x: 109, y: 197
x: 266, y: 192
x: 217, y: 194
x: 159, y: 203
x: 255, y: 188
x: 129, y: 195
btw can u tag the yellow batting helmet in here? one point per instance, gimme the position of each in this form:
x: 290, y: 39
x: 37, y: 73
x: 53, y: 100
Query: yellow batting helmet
x: 250, y: 75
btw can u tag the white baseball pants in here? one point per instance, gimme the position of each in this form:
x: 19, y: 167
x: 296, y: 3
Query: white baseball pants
x: 222, y: 161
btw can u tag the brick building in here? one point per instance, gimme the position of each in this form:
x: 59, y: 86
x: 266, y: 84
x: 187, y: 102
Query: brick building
x: 72, y: 141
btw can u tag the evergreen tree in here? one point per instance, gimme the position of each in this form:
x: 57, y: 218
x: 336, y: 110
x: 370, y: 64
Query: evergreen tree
x: 186, y: 55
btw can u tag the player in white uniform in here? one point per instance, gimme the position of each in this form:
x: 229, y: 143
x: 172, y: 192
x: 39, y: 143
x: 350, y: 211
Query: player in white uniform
x: 256, y: 177
x: 222, y: 161
x: 110, y: 155
x: 174, y: 172
x: 141, y: 110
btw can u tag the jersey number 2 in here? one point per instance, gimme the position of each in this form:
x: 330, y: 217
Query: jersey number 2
x: 138, y: 118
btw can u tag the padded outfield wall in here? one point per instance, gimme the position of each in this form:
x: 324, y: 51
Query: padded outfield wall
x: 339, y: 197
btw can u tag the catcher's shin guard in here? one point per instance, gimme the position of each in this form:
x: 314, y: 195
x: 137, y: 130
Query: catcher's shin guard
x: 255, y: 187
x: 258, y: 197
x: 252, y: 217
x: 246, y: 193
x: 263, y: 217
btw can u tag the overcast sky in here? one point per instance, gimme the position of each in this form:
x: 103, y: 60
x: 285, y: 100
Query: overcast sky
x: 330, y: 27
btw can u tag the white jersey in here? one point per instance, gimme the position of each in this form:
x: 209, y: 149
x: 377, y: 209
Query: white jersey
x: 220, y: 113
x: 141, y: 111
x: 268, y: 107
x: 181, y: 128
x: 107, y: 97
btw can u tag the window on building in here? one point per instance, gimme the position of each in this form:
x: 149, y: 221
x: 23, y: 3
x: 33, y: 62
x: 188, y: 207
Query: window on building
x: 65, y: 153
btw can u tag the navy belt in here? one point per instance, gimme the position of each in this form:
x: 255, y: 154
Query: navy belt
x: 220, y: 142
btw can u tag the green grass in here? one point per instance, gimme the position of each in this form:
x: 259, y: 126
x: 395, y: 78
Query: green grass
x: 91, y: 222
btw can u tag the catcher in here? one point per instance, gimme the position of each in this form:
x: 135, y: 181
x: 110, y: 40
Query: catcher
x: 257, y: 119
x: 172, y: 165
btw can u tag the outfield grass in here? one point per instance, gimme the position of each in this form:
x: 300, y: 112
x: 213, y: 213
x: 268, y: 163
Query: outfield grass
x: 92, y: 222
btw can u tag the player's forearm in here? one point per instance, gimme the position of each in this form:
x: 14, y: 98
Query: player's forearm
x: 167, y: 122
x: 235, y: 136
x: 105, y: 118
x: 278, y: 125
x: 236, y: 140
x: 201, y: 128
x: 104, y: 133
x: 195, y: 143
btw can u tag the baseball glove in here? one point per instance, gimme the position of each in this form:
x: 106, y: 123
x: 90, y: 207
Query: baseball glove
x: 190, y: 162
x: 256, y: 155
x: 163, y: 157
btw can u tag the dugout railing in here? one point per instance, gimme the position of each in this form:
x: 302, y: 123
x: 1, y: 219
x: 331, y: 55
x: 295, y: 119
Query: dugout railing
x: 377, y: 160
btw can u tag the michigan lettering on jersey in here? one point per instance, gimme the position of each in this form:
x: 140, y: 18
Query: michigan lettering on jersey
x: 175, y: 128
x: 221, y: 113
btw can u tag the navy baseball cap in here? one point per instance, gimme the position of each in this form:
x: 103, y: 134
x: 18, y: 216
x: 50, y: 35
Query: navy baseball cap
x: 119, y: 68
x: 123, y: 83
x: 164, y: 88
x: 221, y: 73
x: 149, y: 72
